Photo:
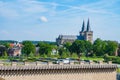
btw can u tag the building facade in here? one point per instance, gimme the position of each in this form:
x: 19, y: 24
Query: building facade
x: 84, y: 34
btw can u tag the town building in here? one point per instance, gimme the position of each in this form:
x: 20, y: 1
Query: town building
x: 84, y: 34
x: 15, y: 49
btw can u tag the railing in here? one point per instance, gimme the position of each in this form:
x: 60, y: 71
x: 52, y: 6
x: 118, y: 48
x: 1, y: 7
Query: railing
x: 51, y: 63
x: 72, y: 65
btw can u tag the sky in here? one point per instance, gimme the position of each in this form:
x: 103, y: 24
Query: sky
x: 45, y: 20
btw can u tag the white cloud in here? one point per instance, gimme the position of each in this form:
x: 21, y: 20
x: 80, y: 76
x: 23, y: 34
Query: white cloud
x: 28, y: 13
x: 90, y: 8
x: 43, y: 19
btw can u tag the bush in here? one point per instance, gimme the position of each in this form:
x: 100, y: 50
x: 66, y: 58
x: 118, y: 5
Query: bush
x: 74, y: 56
x: 114, y: 59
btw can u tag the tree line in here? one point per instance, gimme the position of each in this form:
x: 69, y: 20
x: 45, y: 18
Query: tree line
x: 78, y: 48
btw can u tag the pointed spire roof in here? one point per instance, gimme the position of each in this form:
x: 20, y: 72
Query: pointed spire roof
x: 83, y: 26
x: 88, y: 25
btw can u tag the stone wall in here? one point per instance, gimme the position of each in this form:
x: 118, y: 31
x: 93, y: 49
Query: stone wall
x: 59, y: 72
x: 64, y: 76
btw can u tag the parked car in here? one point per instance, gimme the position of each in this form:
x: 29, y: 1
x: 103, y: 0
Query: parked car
x: 65, y: 61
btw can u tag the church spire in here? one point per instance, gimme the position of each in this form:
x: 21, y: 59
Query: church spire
x: 88, y: 25
x: 83, y: 26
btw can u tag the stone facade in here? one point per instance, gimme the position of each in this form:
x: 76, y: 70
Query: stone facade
x: 85, y: 34
x: 62, y: 39
x: 59, y: 72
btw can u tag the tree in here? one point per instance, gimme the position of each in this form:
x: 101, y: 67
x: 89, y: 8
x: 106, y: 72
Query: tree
x: 111, y: 47
x: 99, y: 47
x: 31, y: 55
x: 78, y: 47
x: 61, y: 50
x: 74, y: 55
x: 119, y: 50
x: 28, y: 48
x: 88, y: 48
x: 64, y: 55
x: 67, y: 45
x: 44, y: 55
x: 5, y: 54
x: 7, y: 45
x: 45, y: 48
x: 2, y: 50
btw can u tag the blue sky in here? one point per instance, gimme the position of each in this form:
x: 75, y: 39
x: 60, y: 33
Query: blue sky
x: 46, y: 19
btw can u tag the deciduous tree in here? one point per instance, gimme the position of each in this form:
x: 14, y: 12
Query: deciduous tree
x: 28, y: 48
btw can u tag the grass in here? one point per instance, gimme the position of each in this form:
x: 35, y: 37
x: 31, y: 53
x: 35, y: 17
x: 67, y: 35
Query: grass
x: 37, y: 58
x: 92, y: 58
x: 118, y: 70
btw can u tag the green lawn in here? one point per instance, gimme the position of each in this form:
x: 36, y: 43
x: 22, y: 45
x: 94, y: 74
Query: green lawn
x: 91, y: 58
x: 36, y: 58
x: 118, y: 70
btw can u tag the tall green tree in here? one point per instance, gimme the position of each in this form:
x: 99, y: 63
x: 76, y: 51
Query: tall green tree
x: 61, y: 50
x: 5, y: 54
x: 111, y: 47
x: 7, y: 45
x: 99, y: 47
x: 63, y: 53
x: 78, y: 47
x: 45, y: 48
x: 28, y: 48
x: 88, y: 48
x: 119, y: 50
x: 2, y: 50
x: 67, y: 45
x: 74, y: 55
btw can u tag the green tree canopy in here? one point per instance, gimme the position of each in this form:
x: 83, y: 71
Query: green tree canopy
x: 119, y: 50
x: 99, y: 47
x: 74, y: 55
x: 45, y: 48
x: 78, y: 47
x: 28, y: 48
x: 111, y: 47
x: 2, y: 50
x: 67, y: 45
x: 7, y: 45
x: 88, y: 48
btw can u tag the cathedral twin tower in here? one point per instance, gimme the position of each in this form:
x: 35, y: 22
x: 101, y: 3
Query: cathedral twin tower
x: 84, y: 34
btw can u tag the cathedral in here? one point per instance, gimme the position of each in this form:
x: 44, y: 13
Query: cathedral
x: 84, y: 34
